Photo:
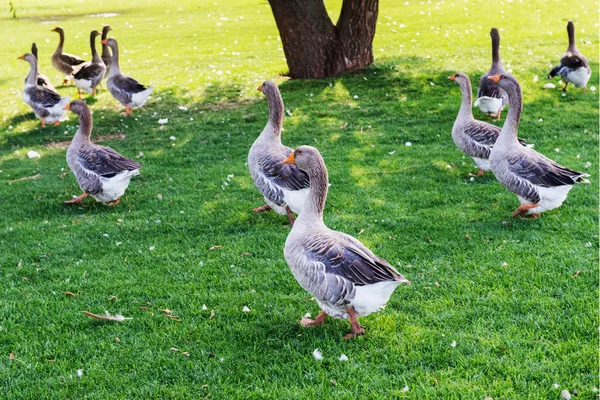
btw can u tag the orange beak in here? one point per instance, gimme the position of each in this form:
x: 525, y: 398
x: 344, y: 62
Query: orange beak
x: 290, y: 160
x: 259, y: 88
x: 21, y: 57
x: 494, y: 78
x: 451, y: 77
x: 104, y: 41
x: 67, y: 107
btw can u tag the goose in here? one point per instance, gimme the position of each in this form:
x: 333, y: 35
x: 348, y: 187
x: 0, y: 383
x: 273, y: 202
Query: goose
x: 91, y: 73
x: 127, y: 90
x: 106, y: 57
x: 490, y: 98
x: 574, y: 67
x: 46, y: 104
x: 474, y: 138
x: 67, y: 64
x: 42, y: 80
x: 100, y: 171
x: 539, y: 183
x: 284, y: 187
x: 346, y: 279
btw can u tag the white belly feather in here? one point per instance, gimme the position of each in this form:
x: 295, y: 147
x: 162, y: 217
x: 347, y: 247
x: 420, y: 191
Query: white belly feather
x: 482, y: 163
x: 550, y: 198
x: 113, y: 188
x: 489, y: 105
x: 579, y: 78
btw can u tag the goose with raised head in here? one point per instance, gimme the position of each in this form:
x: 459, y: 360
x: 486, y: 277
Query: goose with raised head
x: 91, y: 73
x: 492, y: 99
x: 474, y: 138
x: 106, y: 57
x: 46, y: 104
x: 42, y: 80
x: 539, y: 183
x: 574, y: 67
x: 100, y: 171
x: 126, y: 90
x: 346, y: 279
x: 283, y: 186
x: 67, y: 64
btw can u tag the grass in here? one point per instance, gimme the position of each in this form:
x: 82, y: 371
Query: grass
x: 519, y: 298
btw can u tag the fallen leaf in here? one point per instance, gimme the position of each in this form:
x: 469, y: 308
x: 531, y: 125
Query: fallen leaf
x: 20, y: 263
x: 112, y: 298
x: 317, y: 354
x: 50, y: 361
x: 437, y: 284
x: 117, y: 340
x: 106, y: 317
x: 173, y: 317
x: 577, y: 273
x: 71, y: 294
x: 216, y: 247
x: 11, y: 356
x: 185, y: 353
x: 334, y: 383
x: 174, y: 349
x: 467, y: 237
x: 166, y: 311
x: 212, y: 314
x: 144, y: 308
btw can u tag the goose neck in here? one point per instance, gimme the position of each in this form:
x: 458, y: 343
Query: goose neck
x: 317, y: 195
x: 511, y: 125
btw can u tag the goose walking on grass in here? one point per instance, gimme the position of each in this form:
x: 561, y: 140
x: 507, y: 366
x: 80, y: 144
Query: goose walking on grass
x: 106, y: 57
x: 67, y: 64
x: 574, y: 67
x: 42, y: 80
x: 283, y: 186
x: 491, y: 99
x: 540, y: 183
x: 474, y: 138
x: 47, y: 105
x: 346, y: 279
x: 100, y: 171
x: 127, y: 90
x: 91, y: 73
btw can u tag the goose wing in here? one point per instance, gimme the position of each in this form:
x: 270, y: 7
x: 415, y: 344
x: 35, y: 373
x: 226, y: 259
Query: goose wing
x: 71, y: 59
x: 540, y: 170
x: 43, y: 97
x: 286, y: 176
x: 574, y: 61
x: 104, y: 161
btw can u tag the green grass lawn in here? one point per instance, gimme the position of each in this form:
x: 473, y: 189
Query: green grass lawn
x: 518, y: 298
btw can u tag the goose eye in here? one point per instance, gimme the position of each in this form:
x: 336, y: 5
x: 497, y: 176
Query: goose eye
x: 299, y: 151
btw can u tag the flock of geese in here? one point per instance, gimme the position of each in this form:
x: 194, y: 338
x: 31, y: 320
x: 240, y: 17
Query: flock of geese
x: 346, y: 279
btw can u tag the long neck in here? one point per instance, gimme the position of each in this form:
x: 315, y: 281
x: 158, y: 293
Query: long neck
x: 61, y: 34
x: 95, y: 57
x: 275, y: 111
x: 33, y: 72
x: 114, y: 61
x: 315, y: 202
x: 571, y: 33
x: 465, y: 105
x: 511, y: 125
x: 496, y: 62
x: 105, y: 52
x: 85, y: 125
x: 34, y: 51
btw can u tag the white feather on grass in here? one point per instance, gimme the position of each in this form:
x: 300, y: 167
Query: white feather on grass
x: 106, y: 317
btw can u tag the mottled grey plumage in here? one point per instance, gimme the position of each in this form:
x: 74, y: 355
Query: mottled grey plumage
x: 337, y: 269
x: 574, y: 67
x: 275, y: 180
x: 91, y: 73
x: 106, y: 57
x: 487, y: 88
x: 99, y: 170
x: 65, y: 63
x: 126, y: 90
x: 46, y: 104
x: 474, y: 138
x: 529, y: 174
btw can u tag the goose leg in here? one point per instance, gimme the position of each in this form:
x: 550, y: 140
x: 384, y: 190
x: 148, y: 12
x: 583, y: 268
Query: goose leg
x: 80, y: 95
x: 127, y: 110
x: 114, y: 203
x: 320, y: 320
x: 266, y: 207
x: 522, y: 210
x: 480, y: 172
x: 65, y: 81
x: 356, y: 328
x: 564, y: 89
x: 77, y: 200
x: 290, y: 215
x: 499, y: 112
x: 43, y: 122
x: 585, y: 89
x: 94, y: 92
x: 56, y: 123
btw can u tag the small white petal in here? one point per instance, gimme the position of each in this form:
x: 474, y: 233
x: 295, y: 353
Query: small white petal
x: 163, y: 121
x: 33, y: 154
x: 245, y: 309
x: 151, y: 248
x: 355, y: 97
x: 565, y: 394
x: 405, y: 389
x: 550, y: 86
x: 593, y: 88
x: 80, y: 372
x: 453, y: 344
x: 173, y: 138
x: 317, y: 354
x: 556, y: 386
x: 204, y: 308
x: 408, y: 144
x: 182, y: 108
x: 343, y: 357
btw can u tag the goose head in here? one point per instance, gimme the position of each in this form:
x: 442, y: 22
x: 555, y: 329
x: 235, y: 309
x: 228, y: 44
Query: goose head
x: 105, y: 30
x: 460, y: 77
x: 307, y: 159
x: 505, y: 81
x: 77, y: 106
x: 30, y: 58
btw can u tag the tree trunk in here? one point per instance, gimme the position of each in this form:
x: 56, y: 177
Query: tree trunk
x: 316, y: 48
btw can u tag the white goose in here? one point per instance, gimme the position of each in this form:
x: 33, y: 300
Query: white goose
x: 284, y: 187
x: 540, y: 183
x: 347, y: 280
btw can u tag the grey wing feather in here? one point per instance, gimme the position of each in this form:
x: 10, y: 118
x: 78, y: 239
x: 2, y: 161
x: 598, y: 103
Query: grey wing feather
x: 574, y: 61
x: 71, y: 59
x: 284, y: 175
x: 105, y: 162
x: 344, y: 256
x: 122, y: 87
x: 483, y: 137
x: 89, y: 72
x: 489, y: 89
x: 542, y: 171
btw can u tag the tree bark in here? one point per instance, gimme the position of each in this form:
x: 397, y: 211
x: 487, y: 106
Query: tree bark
x: 316, y: 48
